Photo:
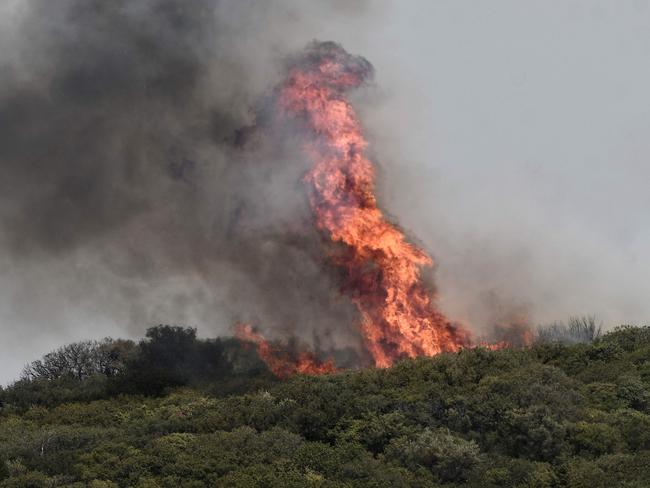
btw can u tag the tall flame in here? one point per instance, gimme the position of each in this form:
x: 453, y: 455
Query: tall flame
x: 399, y: 317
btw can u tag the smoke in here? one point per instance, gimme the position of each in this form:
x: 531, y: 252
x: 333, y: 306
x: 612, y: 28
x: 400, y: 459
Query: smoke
x: 130, y: 195
x: 514, y: 144
x: 126, y: 195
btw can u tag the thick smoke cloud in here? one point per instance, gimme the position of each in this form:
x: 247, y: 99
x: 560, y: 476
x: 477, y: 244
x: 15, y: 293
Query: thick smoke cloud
x: 130, y: 191
x: 511, y: 142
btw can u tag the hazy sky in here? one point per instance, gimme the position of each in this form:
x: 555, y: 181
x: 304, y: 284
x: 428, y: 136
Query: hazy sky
x: 522, y: 150
x: 512, y: 139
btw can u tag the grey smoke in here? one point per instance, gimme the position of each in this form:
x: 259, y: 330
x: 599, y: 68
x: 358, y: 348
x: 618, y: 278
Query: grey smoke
x: 127, y: 196
x: 511, y: 141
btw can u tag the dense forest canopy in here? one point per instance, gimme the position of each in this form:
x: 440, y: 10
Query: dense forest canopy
x: 174, y: 410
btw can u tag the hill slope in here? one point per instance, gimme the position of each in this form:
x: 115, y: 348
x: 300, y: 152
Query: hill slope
x: 549, y: 416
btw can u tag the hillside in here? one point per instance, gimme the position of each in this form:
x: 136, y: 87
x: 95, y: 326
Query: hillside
x: 552, y: 415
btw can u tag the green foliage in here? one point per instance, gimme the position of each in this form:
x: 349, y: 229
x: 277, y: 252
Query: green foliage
x: 595, y: 439
x: 168, y: 357
x: 446, y: 455
x: 181, y: 412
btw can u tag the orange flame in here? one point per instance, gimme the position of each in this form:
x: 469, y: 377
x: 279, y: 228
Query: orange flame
x: 399, y: 317
x: 278, y: 360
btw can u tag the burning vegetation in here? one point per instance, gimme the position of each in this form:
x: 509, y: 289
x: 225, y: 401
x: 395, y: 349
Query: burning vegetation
x: 283, y: 361
x: 381, y: 269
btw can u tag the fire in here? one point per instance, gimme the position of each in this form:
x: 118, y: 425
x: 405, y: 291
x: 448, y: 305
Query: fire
x: 399, y: 316
x: 512, y: 332
x: 279, y: 360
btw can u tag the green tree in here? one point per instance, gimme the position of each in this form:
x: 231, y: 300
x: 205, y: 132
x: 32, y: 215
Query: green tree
x: 446, y: 455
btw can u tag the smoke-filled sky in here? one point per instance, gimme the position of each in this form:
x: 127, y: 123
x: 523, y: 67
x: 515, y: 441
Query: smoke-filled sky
x: 511, y: 139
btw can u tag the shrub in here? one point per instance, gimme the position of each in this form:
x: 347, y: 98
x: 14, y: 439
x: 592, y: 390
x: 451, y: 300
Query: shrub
x: 446, y: 455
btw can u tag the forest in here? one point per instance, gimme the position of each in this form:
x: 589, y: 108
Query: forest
x: 173, y: 410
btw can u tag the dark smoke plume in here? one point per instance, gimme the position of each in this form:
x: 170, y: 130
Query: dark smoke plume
x: 128, y: 187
